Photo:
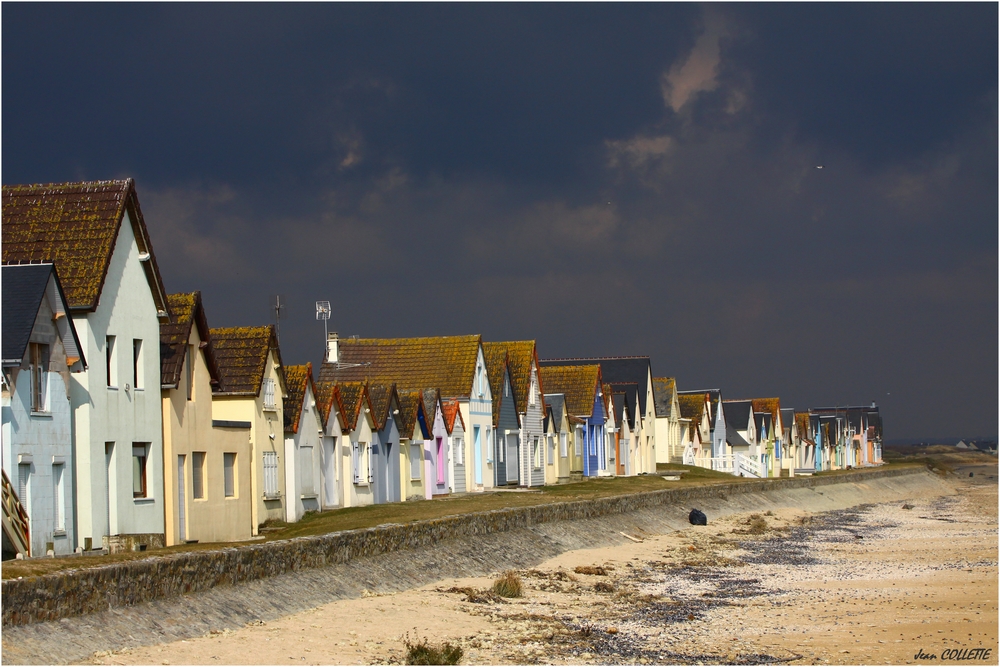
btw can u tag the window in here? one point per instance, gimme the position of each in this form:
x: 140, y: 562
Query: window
x: 416, y: 458
x: 489, y: 448
x: 531, y: 393
x: 308, y: 476
x: 563, y: 445
x: 500, y: 449
x: 58, y: 497
x: 198, y: 475
x: 39, y: 362
x: 270, y: 474
x: 552, y: 448
x: 189, y: 365
x: 356, y: 461
x: 111, y: 357
x: 137, y: 380
x: 536, y: 453
x: 269, y: 394
x: 371, y: 461
x: 23, y: 485
x: 592, y: 440
x: 440, y: 460
x: 139, y: 455
x: 578, y: 441
x: 456, y: 444
x: 229, y: 474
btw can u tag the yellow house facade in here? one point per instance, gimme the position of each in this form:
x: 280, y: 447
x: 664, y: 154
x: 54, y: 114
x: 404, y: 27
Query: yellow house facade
x: 253, y: 390
x: 206, y: 463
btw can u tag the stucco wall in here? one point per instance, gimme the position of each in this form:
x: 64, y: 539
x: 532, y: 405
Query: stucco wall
x: 78, y: 592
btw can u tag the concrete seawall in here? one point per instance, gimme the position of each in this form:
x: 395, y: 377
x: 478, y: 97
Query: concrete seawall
x: 477, y: 543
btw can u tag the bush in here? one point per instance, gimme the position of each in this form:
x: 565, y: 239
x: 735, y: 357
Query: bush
x: 423, y: 653
x: 758, y: 526
x: 508, y: 585
x: 591, y: 569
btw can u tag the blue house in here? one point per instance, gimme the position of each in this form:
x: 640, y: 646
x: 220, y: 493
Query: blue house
x: 581, y: 387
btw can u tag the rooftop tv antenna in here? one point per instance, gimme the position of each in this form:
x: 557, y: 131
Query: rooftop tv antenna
x: 323, y: 311
x: 277, y: 317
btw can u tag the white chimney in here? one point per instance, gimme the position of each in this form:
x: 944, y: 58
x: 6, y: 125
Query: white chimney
x: 333, y: 347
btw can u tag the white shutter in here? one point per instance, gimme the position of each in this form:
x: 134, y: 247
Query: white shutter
x: 355, y: 456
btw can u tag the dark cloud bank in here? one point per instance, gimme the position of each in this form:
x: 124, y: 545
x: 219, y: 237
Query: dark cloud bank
x: 607, y: 179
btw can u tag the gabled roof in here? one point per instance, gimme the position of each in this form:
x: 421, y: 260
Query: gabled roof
x: 75, y: 226
x: 609, y: 399
x: 692, y: 407
x: 297, y: 378
x: 578, y: 384
x: 787, y: 418
x: 410, y: 408
x: 382, y: 397
x: 663, y: 394
x: 624, y: 413
x: 521, y: 354
x: 352, y: 397
x: 452, y: 415
x: 802, y: 422
x: 326, y: 400
x: 495, y: 356
x: 445, y: 362
x: 556, y: 404
x: 241, y: 354
x: 24, y: 287
x: 772, y: 406
x: 431, y: 399
x: 738, y: 413
x: 734, y: 438
x: 187, y: 311
x: 764, y: 423
x: 714, y: 398
x: 616, y: 370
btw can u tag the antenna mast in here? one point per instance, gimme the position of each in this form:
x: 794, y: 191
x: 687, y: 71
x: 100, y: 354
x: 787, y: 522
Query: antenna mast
x: 277, y: 317
x: 323, y: 313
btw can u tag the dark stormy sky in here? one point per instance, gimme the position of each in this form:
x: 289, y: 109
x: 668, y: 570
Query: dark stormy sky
x: 606, y: 179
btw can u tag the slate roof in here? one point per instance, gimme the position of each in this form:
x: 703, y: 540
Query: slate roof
x: 734, y: 438
x: 241, y: 353
x: 578, y: 384
x: 615, y: 370
x: 186, y: 311
x: 495, y: 356
x: 787, y: 418
x: 75, y: 225
x: 764, y: 424
x: 738, y: 413
x: 23, y: 290
x: 663, y: 392
x: 520, y: 356
x: 556, y: 404
x: 445, y: 362
x: 622, y: 413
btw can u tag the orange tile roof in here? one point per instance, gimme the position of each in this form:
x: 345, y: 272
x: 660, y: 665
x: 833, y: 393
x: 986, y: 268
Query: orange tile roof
x: 352, y: 397
x: 445, y: 362
x: 297, y: 378
x: 452, y: 414
x: 410, y: 406
x: 241, y: 353
x: 75, y: 226
x: 577, y: 383
x: 771, y: 405
x: 187, y: 311
x: 381, y: 397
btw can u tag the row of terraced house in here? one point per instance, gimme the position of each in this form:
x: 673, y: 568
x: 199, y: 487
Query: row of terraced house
x: 129, y: 423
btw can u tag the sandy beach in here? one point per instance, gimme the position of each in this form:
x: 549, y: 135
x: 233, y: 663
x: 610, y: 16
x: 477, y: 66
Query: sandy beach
x: 875, y: 584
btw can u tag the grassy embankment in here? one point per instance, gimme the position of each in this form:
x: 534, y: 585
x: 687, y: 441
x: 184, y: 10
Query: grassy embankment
x: 320, y: 523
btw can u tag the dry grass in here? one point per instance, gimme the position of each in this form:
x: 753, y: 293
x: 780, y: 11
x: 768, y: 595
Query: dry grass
x: 422, y: 652
x: 508, y: 585
x: 591, y: 569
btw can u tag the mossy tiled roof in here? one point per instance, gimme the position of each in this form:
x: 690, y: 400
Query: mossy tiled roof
x: 445, y: 362
x: 186, y: 311
x: 495, y: 356
x: 663, y: 396
x: 521, y: 355
x: 771, y: 406
x: 352, y: 397
x: 241, y: 353
x: 326, y: 401
x: 381, y: 398
x: 802, y: 422
x: 410, y: 407
x: 692, y: 407
x: 75, y: 226
x: 431, y: 399
x: 578, y: 384
x: 297, y: 378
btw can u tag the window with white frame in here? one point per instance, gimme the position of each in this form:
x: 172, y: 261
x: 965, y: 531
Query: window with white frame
x: 229, y: 474
x: 459, y: 451
x: 189, y: 367
x: 500, y: 447
x: 536, y: 453
x: 271, y: 474
x: 58, y: 497
x: 550, y: 439
x: 416, y: 458
x: 111, y: 358
x: 39, y: 363
x: 531, y: 393
x: 578, y: 441
x: 140, y: 453
x: 564, y: 445
x: 198, y: 475
x: 137, y: 366
x: 356, y: 461
x: 269, y: 403
x: 489, y: 448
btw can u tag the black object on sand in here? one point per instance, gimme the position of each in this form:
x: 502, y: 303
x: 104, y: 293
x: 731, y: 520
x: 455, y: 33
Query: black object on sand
x: 698, y: 518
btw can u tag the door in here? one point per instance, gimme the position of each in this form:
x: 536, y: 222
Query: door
x: 109, y: 450
x: 378, y: 479
x: 513, y: 461
x: 479, y: 456
x: 181, y: 502
x: 329, y: 473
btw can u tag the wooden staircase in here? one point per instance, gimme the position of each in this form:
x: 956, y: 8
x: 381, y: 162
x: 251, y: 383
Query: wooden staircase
x: 15, y: 521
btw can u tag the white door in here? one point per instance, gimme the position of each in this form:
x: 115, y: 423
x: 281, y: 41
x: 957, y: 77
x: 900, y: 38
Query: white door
x: 181, y: 501
x: 512, y: 459
x: 329, y: 472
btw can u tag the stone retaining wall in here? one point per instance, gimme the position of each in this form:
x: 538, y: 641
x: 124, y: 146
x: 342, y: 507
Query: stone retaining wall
x: 76, y: 592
